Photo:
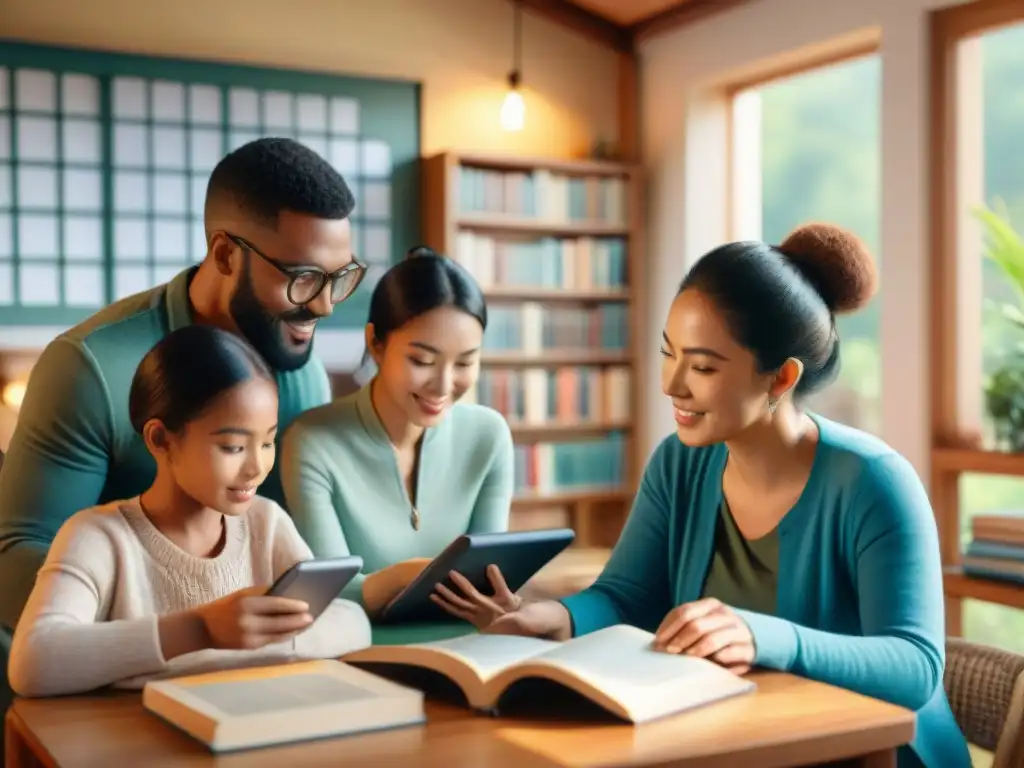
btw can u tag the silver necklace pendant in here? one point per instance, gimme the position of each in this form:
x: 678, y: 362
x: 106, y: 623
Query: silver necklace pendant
x: 414, y: 518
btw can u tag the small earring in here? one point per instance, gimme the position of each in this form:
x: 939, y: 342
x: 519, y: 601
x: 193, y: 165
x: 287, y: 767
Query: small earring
x: 772, y: 405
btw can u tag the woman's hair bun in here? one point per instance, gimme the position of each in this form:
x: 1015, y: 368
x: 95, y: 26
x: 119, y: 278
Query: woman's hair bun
x: 835, y: 262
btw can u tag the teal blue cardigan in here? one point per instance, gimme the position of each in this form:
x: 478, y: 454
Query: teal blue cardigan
x: 860, y: 601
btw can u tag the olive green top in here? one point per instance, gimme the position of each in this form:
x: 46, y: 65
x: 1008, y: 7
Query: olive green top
x: 743, y: 572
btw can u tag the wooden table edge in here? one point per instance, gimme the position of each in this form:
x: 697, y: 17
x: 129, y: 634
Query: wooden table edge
x: 893, y: 728
x: 22, y: 749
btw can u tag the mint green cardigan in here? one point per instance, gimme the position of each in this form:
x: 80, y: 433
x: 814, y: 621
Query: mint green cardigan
x: 859, y: 601
x: 344, y: 492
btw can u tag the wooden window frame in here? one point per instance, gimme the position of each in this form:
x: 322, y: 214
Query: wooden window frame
x: 839, y: 50
x: 954, y: 450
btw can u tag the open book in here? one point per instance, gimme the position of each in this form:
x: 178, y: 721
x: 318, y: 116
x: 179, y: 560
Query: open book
x: 260, y: 706
x: 615, y: 668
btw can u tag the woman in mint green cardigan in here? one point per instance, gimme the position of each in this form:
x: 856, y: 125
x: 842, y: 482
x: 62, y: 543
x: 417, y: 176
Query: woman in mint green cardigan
x: 394, y: 472
x: 762, y: 535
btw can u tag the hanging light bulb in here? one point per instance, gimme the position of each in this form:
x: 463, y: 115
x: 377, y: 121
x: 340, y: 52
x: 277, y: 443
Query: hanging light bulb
x: 513, y: 109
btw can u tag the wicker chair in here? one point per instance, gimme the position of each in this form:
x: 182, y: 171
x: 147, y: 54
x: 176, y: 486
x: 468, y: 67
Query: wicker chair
x: 985, y: 687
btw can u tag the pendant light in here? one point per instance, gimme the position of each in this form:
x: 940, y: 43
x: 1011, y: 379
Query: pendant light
x: 513, y: 110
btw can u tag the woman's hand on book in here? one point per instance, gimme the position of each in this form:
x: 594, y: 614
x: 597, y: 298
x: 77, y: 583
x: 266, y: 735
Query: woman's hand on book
x: 545, y: 618
x: 478, y: 609
x: 250, y: 619
x: 710, y: 630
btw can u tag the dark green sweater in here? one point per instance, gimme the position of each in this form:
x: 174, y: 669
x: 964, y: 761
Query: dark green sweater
x: 74, y: 446
x: 743, y: 572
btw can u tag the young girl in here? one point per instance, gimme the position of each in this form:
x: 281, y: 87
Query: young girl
x: 173, y: 582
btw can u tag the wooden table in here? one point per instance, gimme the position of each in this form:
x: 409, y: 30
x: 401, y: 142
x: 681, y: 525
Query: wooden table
x: 787, y: 722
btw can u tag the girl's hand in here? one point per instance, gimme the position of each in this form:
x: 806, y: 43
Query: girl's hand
x: 710, y: 630
x: 478, y: 609
x: 249, y: 619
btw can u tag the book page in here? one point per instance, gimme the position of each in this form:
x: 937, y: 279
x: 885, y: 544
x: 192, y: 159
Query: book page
x: 621, y: 662
x: 490, y: 654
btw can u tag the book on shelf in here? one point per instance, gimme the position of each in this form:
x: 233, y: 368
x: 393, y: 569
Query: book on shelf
x: 996, y: 550
x: 552, y: 467
x: 615, y: 668
x: 530, y: 328
x: 993, y: 569
x: 1005, y: 528
x: 565, y: 394
x: 262, y: 706
x: 542, y: 194
x: 583, y: 263
x: 554, y: 245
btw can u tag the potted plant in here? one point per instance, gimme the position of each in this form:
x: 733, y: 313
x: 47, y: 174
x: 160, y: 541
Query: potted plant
x: 1004, y: 389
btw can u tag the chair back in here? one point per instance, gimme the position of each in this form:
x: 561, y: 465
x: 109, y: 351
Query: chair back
x: 985, y: 688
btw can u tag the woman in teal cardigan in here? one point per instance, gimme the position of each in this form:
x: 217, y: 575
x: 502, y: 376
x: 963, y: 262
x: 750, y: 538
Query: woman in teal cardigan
x: 397, y: 470
x: 762, y: 535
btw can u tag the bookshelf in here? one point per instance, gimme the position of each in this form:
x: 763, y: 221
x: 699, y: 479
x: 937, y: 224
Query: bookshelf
x: 557, y: 249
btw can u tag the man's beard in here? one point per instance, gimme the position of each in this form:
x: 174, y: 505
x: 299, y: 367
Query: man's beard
x: 264, y: 331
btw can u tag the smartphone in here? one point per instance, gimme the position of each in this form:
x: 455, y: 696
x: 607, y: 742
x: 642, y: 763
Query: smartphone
x: 317, y: 582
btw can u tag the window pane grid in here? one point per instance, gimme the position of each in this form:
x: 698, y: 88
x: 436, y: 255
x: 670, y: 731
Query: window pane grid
x: 52, y: 250
x: 10, y: 292
x: 60, y: 273
x: 9, y: 265
x: 64, y: 163
x: 147, y: 86
x: 103, y: 174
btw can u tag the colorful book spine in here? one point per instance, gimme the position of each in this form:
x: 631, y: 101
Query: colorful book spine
x: 542, y: 194
x: 531, y: 328
x: 587, y: 464
x: 996, y: 550
x: 571, y: 263
x: 561, y: 395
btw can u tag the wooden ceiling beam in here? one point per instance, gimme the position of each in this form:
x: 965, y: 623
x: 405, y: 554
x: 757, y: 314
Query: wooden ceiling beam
x: 625, y: 38
x: 680, y: 15
x: 584, y: 22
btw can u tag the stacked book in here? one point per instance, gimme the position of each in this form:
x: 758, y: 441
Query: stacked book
x: 996, y: 550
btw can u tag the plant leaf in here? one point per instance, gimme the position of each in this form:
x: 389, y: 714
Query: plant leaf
x: 1004, y: 247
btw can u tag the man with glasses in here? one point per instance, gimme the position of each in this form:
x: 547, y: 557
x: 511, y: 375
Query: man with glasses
x: 279, y: 258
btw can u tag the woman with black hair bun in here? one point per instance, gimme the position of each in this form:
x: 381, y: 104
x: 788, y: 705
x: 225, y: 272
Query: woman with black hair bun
x: 397, y: 470
x: 762, y: 534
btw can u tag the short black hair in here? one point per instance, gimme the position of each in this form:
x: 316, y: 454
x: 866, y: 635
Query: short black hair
x: 780, y: 302
x: 424, y: 281
x: 186, y: 371
x: 270, y: 175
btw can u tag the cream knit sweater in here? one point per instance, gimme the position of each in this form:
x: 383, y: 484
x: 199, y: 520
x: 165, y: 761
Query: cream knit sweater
x: 92, y: 618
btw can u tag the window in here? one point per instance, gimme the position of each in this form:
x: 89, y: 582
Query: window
x: 51, y: 224
x: 104, y: 161
x: 807, y: 148
x: 978, y: 376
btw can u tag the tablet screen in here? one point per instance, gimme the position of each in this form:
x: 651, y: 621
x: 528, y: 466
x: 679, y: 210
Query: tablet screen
x: 519, y: 555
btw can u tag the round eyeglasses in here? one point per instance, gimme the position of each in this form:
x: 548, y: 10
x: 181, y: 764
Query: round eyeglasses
x: 306, y: 283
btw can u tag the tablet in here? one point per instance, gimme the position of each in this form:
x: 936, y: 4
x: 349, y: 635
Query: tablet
x: 317, y: 582
x: 519, y: 555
